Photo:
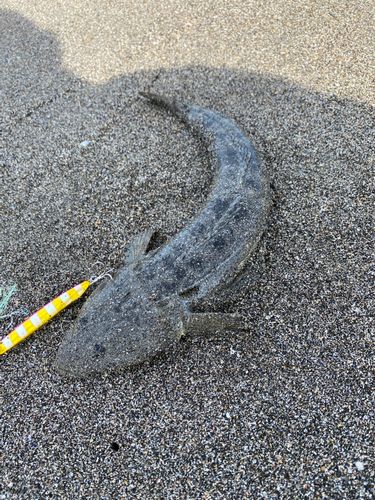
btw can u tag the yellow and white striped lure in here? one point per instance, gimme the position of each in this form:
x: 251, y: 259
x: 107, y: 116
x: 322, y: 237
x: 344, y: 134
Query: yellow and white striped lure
x: 42, y: 316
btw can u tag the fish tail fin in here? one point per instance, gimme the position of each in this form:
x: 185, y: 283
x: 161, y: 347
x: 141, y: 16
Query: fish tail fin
x: 162, y: 102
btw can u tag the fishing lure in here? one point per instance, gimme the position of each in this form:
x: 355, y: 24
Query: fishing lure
x: 45, y: 314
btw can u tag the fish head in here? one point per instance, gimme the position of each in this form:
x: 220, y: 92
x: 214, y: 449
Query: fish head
x: 118, y: 328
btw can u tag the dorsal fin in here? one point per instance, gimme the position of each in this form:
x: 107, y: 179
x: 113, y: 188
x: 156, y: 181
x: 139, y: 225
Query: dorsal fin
x: 138, y: 246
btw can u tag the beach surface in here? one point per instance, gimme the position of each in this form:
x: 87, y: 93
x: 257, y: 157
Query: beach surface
x: 283, y: 410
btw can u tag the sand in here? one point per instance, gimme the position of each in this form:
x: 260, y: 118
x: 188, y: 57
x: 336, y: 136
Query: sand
x: 283, y: 410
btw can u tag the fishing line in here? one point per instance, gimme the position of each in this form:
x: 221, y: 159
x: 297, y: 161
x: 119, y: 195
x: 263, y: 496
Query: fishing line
x: 6, y: 293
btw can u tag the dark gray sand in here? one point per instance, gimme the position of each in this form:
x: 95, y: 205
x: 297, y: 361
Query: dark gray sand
x: 283, y: 410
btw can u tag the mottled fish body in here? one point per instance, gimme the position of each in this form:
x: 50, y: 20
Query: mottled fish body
x: 147, y: 306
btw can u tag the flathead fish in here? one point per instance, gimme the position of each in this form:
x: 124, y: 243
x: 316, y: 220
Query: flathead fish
x: 148, y: 305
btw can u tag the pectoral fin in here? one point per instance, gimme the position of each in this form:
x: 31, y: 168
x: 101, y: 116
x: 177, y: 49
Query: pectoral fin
x: 206, y: 323
x: 138, y: 246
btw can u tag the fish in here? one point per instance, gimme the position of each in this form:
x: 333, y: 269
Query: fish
x: 150, y: 303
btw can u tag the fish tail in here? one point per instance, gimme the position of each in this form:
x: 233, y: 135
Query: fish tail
x: 162, y: 102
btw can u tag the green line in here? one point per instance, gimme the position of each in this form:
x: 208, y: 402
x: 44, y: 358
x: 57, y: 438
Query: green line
x: 6, y: 294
